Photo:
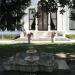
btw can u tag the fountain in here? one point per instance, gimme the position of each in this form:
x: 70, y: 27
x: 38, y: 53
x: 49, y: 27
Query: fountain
x: 31, y: 61
x: 32, y: 55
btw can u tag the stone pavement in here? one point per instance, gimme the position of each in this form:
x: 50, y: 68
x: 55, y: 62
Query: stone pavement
x: 71, y: 63
x: 62, y: 65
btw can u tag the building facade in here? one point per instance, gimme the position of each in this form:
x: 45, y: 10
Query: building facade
x: 45, y: 23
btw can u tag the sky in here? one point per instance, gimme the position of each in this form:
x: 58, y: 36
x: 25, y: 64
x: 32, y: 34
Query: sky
x: 34, y: 2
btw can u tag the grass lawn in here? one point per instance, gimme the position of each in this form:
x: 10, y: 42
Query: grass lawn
x: 11, y: 49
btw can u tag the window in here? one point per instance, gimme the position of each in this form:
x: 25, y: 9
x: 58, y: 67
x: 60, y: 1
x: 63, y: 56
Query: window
x: 32, y: 19
x: 53, y: 20
x: 42, y: 19
x: 72, y: 20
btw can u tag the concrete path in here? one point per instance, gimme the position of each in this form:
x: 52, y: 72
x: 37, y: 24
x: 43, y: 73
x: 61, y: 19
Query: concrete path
x: 38, y: 42
x: 62, y: 65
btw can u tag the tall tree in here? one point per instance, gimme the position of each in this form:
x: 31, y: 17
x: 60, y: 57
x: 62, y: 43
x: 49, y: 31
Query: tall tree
x: 52, y: 5
x: 11, y: 12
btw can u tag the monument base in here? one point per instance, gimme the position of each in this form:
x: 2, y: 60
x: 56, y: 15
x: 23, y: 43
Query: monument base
x: 45, y: 62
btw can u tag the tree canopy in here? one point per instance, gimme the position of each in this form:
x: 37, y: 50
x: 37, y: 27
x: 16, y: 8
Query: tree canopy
x: 52, y: 6
x: 11, y: 12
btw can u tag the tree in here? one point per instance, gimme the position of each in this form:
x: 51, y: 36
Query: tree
x: 52, y: 6
x: 11, y: 12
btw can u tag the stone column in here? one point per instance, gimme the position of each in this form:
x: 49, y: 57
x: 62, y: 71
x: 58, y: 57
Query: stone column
x: 36, y: 26
x: 49, y: 22
x: 59, y: 19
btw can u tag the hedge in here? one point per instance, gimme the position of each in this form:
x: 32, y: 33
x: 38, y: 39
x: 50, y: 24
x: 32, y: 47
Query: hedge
x: 70, y: 36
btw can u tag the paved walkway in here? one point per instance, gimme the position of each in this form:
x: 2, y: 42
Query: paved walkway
x: 39, y: 42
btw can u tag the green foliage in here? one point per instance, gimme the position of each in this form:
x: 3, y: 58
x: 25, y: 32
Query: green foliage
x: 43, y: 5
x: 64, y: 2
x: 50, y: 6
x: 12, y: 49
x: 9, y: 37
x: 11, y: 12
x: 70, y: 36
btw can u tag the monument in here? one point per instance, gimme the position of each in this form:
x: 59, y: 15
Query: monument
x: 31, y: 61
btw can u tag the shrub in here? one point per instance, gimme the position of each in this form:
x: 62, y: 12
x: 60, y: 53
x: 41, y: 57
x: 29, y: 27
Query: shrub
x: 9, y: 37
x: 70, y: 36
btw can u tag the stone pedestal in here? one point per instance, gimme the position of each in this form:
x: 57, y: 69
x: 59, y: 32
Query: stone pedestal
x: 31, y: 61
x: 22, y: 35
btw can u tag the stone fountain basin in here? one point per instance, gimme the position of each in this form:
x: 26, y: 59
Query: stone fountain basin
x: 43, y: 62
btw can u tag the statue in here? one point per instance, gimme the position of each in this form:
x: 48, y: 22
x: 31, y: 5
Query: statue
x: 29, y: 37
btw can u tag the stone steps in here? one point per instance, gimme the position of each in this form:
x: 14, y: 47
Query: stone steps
x: 44, y: 36
x: 42, y: 39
